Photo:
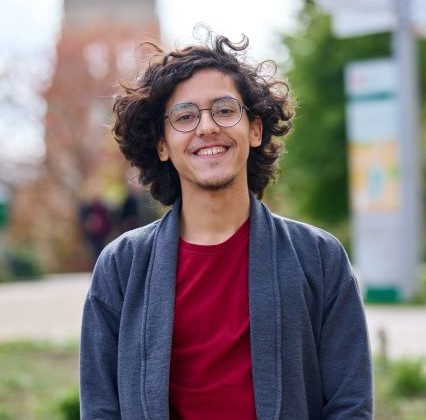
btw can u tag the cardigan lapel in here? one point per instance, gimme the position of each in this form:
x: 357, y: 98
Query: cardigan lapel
x: 265, y: 316
x: 265, y: 313
x: 157, y: 322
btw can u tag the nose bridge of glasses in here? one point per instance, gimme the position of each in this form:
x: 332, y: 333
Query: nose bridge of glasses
x: 210, y: 115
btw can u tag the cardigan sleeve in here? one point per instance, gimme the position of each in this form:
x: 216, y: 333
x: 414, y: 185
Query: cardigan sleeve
x: 344, y: 356
x: 98, y: 347
x: 327, y: 367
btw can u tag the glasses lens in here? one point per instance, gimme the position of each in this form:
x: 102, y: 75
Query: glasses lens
x: 226, y: 112
x: 184, y: 117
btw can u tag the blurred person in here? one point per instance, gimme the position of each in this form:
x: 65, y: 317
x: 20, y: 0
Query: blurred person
x: 138, y: 209
x: 95, y: 220
x: 221, y: 309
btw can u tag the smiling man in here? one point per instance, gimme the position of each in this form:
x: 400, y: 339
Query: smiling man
x: 221, y: 309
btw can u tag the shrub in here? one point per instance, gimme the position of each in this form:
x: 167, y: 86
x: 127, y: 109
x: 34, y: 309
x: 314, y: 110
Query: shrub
x: 69, y: 406
x: 23, y: 264
x: 408, y: 378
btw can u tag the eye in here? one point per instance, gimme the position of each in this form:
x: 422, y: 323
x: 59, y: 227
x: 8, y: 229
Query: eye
x: 225, y: 108
x: 184, y: 116
x: 183, y: 113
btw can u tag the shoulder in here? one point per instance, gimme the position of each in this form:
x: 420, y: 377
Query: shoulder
x: 320, y: 254
x: 126, y: 254
x: 306, y: 236
x: 302, y: 236
x: 131, y: 242
x: 137, y: 244
x: 303, y: 239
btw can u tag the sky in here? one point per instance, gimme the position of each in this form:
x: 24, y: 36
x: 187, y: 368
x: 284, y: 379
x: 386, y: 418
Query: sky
x: 29, y: 29
x: 260, y: 21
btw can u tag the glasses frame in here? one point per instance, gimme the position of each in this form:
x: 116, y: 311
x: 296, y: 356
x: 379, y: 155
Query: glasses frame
x: 240, y: 104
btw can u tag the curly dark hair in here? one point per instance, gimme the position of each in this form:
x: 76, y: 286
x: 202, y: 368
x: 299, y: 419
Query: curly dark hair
x: 139, y: 111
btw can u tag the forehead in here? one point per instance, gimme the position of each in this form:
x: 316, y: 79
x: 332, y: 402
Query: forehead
x: 204, y: 87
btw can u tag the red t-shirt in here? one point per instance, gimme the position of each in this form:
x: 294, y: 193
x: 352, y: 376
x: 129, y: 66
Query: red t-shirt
x: 211, y: 375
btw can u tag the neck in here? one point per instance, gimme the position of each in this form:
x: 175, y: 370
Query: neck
x: 212, y: 217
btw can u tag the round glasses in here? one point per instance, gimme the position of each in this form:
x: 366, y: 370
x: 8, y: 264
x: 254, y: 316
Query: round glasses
x: 226, y: 112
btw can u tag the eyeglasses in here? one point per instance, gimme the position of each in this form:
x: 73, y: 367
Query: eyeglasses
x: 226, y: 112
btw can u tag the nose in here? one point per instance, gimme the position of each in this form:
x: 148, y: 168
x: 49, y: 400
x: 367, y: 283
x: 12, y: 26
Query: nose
x: 206, y: 126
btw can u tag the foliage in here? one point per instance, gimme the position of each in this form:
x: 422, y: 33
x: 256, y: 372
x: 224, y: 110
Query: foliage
x: 314, y: 176
x: 409, y: 378
x: 81, y: 161
x: 5, y: 275
x: 400, y: 389
x: 23, y: 264
x: 39, y: 380
x: 36, y: 378
x: 19, y: 264
x: 69, y: 406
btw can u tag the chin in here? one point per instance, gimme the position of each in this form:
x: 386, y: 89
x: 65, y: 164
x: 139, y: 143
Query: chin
x: 217, y: 185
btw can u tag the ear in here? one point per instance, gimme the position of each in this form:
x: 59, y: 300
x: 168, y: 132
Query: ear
x: 256, y: 129
x: 162, y: 151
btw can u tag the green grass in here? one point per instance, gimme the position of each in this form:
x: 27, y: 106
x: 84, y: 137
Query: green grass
x: 400, y: 388
x: 39, y: 380
x: 36, y: 378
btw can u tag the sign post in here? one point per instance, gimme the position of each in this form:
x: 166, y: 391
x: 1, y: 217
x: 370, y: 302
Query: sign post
x: 404, y: 52
x: 382, y: 121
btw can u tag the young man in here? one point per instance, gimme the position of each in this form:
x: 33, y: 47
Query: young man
x: 221, y: 309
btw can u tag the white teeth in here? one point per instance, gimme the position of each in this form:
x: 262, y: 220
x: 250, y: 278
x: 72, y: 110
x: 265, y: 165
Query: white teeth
x: 211, y: 151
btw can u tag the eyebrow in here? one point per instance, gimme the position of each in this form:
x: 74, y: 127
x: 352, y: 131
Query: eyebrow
x: 184, y: 104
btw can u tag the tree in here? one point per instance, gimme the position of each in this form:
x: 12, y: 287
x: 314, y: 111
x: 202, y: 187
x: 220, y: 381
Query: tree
x: 82, y: 162
x: 314, y: 175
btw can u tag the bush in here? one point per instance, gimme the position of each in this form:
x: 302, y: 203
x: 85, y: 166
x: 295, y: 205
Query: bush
x: 5, y: 276
x: 23, y: 264
x: 408, y: 378
x: 69, y: 406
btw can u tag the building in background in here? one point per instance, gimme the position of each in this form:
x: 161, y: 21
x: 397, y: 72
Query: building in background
x: 97, y: 47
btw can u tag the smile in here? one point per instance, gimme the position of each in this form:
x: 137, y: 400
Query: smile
x: 211, y: 151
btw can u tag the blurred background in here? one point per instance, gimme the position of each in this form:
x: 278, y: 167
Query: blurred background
x: 354, y: 163
x: 65, y: 190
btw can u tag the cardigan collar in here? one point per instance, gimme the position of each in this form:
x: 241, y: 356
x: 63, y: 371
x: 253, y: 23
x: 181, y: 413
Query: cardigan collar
x: 264, y: 303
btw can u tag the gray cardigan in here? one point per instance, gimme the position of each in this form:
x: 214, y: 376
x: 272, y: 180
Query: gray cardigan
x: 309, y: 344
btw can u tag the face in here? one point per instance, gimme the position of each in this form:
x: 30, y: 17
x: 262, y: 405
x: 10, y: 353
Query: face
x: 210, y: 157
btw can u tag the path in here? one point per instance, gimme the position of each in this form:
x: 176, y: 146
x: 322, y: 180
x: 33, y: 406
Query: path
x: 51, y: 309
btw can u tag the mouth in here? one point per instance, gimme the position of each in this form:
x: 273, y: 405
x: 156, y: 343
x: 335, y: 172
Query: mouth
x: 211, y: 151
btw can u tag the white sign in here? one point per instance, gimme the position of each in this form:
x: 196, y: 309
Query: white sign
x: 370, y: 77
x: 375, y: 175
x: 353, y: 18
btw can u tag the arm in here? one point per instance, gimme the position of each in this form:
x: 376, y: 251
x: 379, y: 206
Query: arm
x: 344, y: 356
x: 98, y: 351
